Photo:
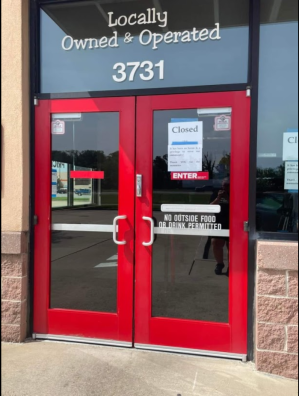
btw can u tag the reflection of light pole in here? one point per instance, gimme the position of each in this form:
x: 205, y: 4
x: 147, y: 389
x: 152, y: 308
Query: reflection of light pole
x: 73, y: 145
x: 69, y: 117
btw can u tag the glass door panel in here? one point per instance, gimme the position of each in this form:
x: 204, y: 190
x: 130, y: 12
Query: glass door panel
x: 191, y: 281
x: 184, y: 286
x: 84, y: 237
x: 84, y: 263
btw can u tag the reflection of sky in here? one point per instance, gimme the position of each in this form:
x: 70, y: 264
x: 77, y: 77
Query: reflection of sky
x: 218, y: 62
x: 96, y: 131
x: 100, y: 132
x: 278, y: 89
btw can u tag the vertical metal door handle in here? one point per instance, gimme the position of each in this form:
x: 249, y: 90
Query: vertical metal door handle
x: 115, y: 231
x: 151, y: 242
x: 139, y: 186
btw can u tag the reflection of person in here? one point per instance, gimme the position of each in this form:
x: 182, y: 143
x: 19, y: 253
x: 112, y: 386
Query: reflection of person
x: 218, y: 243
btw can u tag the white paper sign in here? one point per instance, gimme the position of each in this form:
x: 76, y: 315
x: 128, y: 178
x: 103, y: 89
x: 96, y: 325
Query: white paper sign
x: 58, y: 127
x: 290, y: 146
x: 185, y: 143
x: 291, y: 175
x: 183, y: 158
x: 172, y: 208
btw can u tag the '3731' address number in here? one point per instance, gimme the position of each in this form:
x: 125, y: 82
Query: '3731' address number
x: 146, y: 71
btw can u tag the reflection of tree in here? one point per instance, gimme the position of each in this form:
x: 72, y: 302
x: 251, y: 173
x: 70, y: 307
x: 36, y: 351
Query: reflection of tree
x: 59, y: 183
x: 160, y: 171
x: 161, y: 176
x: 110, y: 167
x: 92, y: 159
x: 271, y: 172
x: 225, y: 161
x: 270, y: 179
x: 223, y: 166
x: 208, y: 164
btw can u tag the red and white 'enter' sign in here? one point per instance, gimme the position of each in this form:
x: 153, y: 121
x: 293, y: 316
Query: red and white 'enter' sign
x: 190, y: 176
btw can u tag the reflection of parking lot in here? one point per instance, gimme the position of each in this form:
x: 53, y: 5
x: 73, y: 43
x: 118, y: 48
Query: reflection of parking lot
x: 84, y: 276
x: 84, y: 197
x: 88, y: 215
x: 79, y: 199
x: 76, y: 282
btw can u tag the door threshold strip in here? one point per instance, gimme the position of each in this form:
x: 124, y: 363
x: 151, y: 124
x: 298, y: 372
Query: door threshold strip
x: 82, y: 340
x: 186, y: 351
x: 123, y: 344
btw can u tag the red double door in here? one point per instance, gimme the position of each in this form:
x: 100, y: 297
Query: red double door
x: 127, y: 237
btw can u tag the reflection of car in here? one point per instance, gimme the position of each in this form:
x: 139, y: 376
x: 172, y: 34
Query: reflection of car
x: 271, y: 207
x: 62, y: 191
x: 83, y: 191
x: 265, y: 184
x: 211, y: 186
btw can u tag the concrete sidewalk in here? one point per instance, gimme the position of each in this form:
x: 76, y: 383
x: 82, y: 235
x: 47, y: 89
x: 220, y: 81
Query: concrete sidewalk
x: 61, y: 369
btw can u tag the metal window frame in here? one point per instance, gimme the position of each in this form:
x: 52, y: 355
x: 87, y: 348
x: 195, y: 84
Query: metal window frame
x: 254, y: 49
x: 144, y: 92
x: 119, y: 93
x: 253, y: 83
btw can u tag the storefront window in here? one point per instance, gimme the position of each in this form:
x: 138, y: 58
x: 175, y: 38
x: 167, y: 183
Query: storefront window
x: 277, y: 161
x: 128, y: 44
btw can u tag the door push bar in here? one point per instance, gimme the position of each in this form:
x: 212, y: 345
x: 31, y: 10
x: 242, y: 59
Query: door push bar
x: 151, y: 242
x: 115, y: 231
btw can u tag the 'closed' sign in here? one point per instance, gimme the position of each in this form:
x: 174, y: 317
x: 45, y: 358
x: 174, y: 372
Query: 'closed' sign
x: 290, y: 146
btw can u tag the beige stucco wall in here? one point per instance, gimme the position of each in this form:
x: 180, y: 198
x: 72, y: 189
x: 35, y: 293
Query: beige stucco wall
x: 15, y: 115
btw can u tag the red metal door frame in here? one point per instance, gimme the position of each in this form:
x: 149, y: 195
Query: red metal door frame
x: 228, y: 338
x: 47, y: 321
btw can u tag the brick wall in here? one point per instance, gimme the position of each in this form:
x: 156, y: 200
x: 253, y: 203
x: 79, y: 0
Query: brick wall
x: 277, y: 308
x: 14, y: 286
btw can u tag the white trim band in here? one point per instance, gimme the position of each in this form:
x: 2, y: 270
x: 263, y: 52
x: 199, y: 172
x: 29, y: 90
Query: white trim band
x: 223, y: 110
x: 158, y: 230
x: 191, y: 208
x: 83, y: 227
x: 192, y: 232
